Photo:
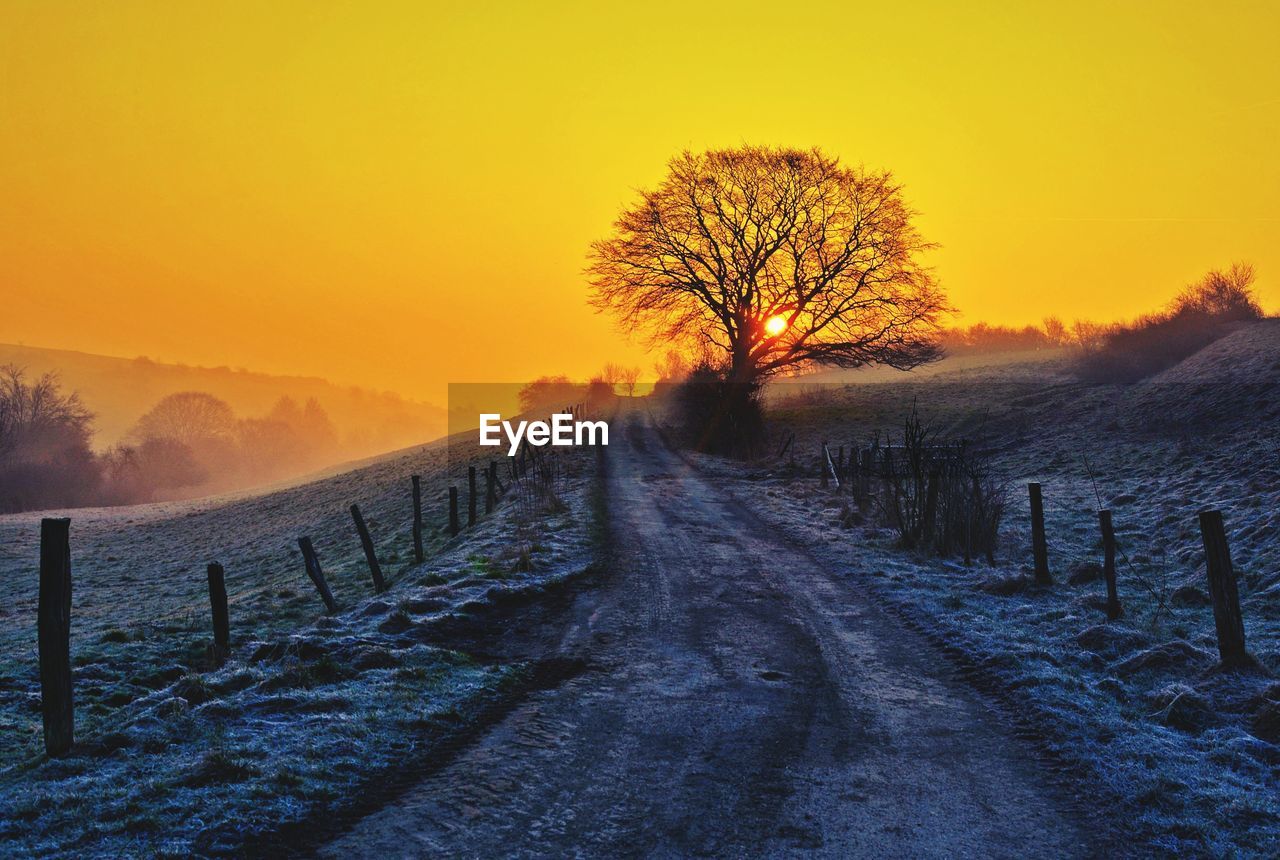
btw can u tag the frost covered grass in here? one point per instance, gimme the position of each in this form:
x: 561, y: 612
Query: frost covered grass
x: 313, y: 713
x: 1175, y: 753
x: 235, y: 756
x: 140, y: 606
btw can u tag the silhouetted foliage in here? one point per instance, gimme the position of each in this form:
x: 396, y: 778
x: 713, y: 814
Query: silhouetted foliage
x: 1199, y: 315
x: 984, y: 337
x: 939, y: 495
x: 204, y: 425
x: 732, y: 238
x: 672, y: 367
x: 617, y: 375
x: 717, y: 415
x: 149, y: 471
x: 599, y: 394
x: 1226, y: 296
x: 549, y: 394
x: 45, y: 458
x: 189, y: 442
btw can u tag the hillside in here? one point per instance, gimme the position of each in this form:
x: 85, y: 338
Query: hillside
x: 984, y: 364
x: 1250, y: 354
x: 315, y: 712
x: 120, y: 390
x: 1184, y: 752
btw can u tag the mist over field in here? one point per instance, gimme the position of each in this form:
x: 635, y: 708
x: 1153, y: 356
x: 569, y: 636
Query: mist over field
x: 81, y: 429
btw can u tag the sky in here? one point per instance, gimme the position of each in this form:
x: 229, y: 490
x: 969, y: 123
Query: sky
x: 402, y: 195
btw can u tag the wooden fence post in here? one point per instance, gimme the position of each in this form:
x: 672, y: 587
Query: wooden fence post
x: 417, y: 519
x: 829, y: 467
x: 491, y: 487
x: 471, y: 496
x: 53, y: 617
x: 221, y: 619
x: 1114, y: 609
x: 1039, y: 547
x: 1222, y: 588
x: 316, y: 574
x: 453, y: 512
x: 375, y: 569
x: 822, y: 467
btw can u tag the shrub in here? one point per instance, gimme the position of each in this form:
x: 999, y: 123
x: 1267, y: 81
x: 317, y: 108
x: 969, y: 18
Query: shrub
x: 45, y: 458
x: 938, y: 495
x: 719, y: 416
x: 1199, y: 315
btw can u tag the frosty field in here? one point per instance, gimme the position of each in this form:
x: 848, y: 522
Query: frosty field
x: 173, y: 758
x: 1182, y: 755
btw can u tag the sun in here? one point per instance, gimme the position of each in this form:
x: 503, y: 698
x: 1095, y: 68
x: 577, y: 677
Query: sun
x: 775, y: 325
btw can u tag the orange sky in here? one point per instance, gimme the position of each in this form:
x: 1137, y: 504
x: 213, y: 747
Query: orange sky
x: 403, y: 197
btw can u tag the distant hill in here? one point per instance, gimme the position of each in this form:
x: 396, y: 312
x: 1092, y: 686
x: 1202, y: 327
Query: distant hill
x: 995, y: 363
x: 120, y: 390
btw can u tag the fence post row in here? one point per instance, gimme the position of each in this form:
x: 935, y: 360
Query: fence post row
x: 316, y: 574
x: 491, y: 487
x: 375, y: 569
x: 417, y: 519
x: 1039, y: 547
x: 218, y: 608
x: 1222, y: 588
x: 53, y: 617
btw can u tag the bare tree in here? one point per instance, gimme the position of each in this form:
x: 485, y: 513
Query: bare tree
x: 672, y: 367
x: 45, y: 458
x: 550, y: 393
x: 1221, y: 294
x: 777, y: 258
x: 629, y: 377
x: 203, y: 425
x: 193, y: 418
x: 1055, y: 330
x: 36, y: 415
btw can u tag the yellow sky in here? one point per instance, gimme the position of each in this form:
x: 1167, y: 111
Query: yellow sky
x: 401, y: 195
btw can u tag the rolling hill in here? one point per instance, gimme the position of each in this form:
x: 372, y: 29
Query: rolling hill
x: 119, y: 390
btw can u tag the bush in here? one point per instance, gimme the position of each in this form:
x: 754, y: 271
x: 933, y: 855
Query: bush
x: 717, y: 416
x: 940, y: 496
x: 45, y: 458
x: 1199, y: 315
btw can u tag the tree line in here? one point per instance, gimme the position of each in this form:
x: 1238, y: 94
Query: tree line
x: 1129, y: 350
x: 189, y: 443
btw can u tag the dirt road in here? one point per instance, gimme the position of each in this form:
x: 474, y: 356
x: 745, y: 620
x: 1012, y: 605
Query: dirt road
x: 741, y: 701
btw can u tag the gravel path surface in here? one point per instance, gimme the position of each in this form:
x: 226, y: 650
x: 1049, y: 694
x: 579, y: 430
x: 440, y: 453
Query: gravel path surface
x: 738, y: 700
